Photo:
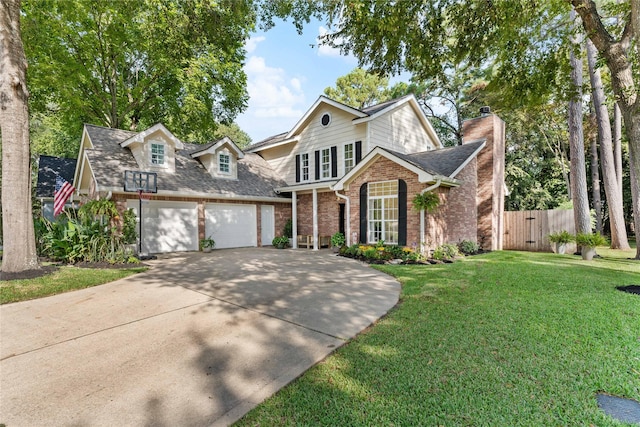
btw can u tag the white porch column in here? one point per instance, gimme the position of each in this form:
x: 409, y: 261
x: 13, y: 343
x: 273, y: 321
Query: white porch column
x: 315, y: 219
x: 294, y: 219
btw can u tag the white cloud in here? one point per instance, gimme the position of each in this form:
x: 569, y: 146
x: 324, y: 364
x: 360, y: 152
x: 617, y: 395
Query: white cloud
x: 252, y: 43
x: 271, y: 92
x: 296, y: 83
x: 276, y: 100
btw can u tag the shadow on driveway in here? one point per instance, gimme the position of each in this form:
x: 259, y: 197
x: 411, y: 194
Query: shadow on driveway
x: 199, y: 339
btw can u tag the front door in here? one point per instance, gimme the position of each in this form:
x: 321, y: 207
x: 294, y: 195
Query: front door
x: 267, y: 221
x: 341, y: 219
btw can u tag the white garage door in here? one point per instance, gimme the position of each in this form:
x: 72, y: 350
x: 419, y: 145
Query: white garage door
x: 168, y: 226
x: 231, y: 226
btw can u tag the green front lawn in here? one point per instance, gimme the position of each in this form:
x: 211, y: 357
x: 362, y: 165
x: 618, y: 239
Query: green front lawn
x: 502, y: 339
x: 65, y: 279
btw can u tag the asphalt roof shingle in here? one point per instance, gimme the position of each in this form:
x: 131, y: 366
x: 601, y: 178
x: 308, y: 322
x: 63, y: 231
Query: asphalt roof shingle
x: 444, y: 161
x: 109, y: 162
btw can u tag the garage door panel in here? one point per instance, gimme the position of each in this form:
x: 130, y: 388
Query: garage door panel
x: 168, y: 226
x: 231, y: 226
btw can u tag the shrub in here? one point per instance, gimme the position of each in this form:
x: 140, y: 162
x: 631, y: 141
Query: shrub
x: 561, y: 237
x: 337, y: 240
x: 207, y: 243
x: 280, y: 242
x: 447, y: 251
x: 468, y: 247
x: 592, y: 239
x: 288, y: 229
x: 129, y: 227
x: 71, y: 240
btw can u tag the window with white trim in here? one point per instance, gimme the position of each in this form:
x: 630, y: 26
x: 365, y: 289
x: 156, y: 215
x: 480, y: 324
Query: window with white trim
x: 224, y: 163
x: 349, y: 157
x: 325, y: 163
x: 304, y: 167
x: 383, y: 212
x: 157, y: 154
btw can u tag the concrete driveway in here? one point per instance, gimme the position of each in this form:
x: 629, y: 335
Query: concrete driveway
x: 198, y: 340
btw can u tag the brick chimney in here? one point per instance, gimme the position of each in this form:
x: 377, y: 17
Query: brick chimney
x: 491, y: 188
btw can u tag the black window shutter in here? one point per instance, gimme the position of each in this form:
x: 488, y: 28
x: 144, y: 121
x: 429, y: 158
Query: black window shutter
x: 358, y: 151
x: 317, y: 165
x: 402, y: 213
x: 297, y: 167
x: 334, y: 162
x: 364, y: 205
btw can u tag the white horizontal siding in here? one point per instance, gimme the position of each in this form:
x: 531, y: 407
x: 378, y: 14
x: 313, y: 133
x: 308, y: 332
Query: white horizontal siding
x: 401, y: 131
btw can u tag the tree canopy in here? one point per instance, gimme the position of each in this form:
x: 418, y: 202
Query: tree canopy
x: 133, y: 63
x: 359, y: 89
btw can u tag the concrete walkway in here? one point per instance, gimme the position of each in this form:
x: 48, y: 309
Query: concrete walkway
x: 198, y: 340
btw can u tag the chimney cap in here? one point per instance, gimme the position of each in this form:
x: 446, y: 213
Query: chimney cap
x: 485, y: 110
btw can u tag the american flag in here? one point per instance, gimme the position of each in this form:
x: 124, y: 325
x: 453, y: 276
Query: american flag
x: 63, y: 191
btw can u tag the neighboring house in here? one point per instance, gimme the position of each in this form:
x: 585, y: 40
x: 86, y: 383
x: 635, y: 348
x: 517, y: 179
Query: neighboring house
x: 338, y: 169
x: 48, y: 169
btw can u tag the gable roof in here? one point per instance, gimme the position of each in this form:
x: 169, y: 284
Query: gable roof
x: 211, y: 147
x: 443, y: 164
x: 360, y: 116
x: 140, y: 136
x: 49, y: 168
x: 109, y: 160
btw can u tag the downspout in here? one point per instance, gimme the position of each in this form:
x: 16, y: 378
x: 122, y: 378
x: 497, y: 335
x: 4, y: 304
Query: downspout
x: 422, y: 230
x: 347, y: 230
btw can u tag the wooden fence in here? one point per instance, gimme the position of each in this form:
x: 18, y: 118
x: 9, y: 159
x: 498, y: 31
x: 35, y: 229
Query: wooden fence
x: 529, y: 230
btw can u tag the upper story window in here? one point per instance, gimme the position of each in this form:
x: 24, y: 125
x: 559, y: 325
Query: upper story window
x: 224, y: 163
x: 325, y: 119
x: 157, y: 154
x: 325, y: 163
x: 304, y: 166
x: 349, y: 158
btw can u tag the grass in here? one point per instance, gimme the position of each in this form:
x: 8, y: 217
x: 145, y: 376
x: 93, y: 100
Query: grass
x: 506, y: 338
x: 65, y: 279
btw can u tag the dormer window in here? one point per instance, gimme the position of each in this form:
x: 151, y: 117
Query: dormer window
x: 224, y: 161
x: 157, y: 154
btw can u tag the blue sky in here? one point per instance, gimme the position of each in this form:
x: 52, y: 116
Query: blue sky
x: 286, y: 73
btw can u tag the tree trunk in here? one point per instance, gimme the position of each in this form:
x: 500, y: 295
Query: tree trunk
x: 595, y: 174
x: 617, y: 145
x: 607, y: 161
x: 616, y: 55
x: 576, y: 149
x: 19, y: 252
x: 634, y: 167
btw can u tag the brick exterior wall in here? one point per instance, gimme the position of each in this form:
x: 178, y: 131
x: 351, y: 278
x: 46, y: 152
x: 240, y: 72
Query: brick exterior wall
x: 328, y: 213
x: 490, y: 196
x: 455, y: 219
x: 282, y: 211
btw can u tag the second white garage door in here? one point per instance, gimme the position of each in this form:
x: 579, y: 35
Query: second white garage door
x: 231, y: 226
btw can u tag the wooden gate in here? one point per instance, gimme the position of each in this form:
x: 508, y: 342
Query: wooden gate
x: 529, y: 230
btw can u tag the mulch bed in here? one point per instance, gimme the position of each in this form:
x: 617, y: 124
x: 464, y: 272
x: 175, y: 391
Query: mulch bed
x: 632, y: 289
x: 48, y: 269
x: 29, y: 274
